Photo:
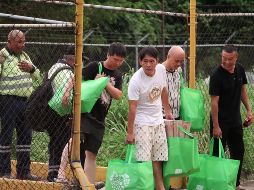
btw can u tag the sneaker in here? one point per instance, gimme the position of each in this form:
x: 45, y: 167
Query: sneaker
x: 99, y: 185
x: 28, y: 177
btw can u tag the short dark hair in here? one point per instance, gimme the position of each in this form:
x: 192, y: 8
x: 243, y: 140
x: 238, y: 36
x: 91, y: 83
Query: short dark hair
x: 117, y: 49
x: 70, y: 50
x: 151, y: 51
x: 229, y: 48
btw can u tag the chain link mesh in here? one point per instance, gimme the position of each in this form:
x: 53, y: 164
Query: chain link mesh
x: 225, y: 25
x: 45, y: 45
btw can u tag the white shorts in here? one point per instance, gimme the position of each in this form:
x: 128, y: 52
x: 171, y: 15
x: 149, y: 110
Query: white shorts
x: 151, y: 143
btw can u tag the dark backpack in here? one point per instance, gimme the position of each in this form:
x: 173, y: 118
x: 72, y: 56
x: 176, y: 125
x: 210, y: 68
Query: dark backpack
x: 37, y: 114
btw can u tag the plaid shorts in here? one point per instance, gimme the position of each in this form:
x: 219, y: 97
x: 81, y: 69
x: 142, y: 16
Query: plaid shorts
x: 151, y: 143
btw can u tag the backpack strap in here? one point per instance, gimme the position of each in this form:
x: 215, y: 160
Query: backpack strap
x: 58, y: 70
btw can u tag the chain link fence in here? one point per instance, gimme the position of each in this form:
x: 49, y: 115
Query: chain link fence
x: 45, y: 45
x: 224, y: 25
x: 46, y: 48
x: 33, y: 47
x: 213, y: 31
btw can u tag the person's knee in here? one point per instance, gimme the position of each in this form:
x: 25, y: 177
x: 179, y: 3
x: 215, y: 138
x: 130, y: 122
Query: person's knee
x: 90, y: 155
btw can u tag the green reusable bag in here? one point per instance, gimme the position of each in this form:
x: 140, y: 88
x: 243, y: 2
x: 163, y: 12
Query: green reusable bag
x: 215, y: 172
x: 56, y: 101
x: 129, y: 174
x: 91, y: 91
x: 192, y: 108
x: 182, y: 155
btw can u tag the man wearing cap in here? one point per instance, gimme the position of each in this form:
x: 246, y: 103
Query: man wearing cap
x: 59, y: 129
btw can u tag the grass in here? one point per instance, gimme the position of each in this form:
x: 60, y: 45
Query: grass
x: 116, y: 122
x: 248, y: 165
x: 39, y: 147
x: 114, y: 147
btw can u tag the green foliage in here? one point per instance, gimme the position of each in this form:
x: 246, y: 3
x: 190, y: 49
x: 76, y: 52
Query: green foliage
x: 116, y: 124
x: 36, y: 9
x: 39, y: 147
x: 113, y: 145
x: 204, y: 136
x: 134, y: 26
x: 129, y: 28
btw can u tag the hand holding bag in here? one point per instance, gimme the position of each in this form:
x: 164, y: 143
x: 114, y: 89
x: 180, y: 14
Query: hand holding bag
x: 91, y: 91
x: 129, y: 174
x: 215, y: 172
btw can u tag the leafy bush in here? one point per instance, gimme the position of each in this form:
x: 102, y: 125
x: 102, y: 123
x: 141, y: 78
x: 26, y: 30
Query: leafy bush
x: 116, y: 123
x: 113, y: 145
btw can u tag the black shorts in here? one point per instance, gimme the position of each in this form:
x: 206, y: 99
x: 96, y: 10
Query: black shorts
x: 89, y: 142
x: 92, y: 132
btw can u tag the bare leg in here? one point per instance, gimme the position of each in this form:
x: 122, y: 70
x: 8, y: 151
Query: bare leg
x: 64, y: 162
x: 157, y: 172
x: 90, y: 166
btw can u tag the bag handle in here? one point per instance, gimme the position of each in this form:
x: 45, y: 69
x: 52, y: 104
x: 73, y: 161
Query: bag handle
x: 100, y: 67
x: 221, y: 149
x: 181, y: 80
x: 185, y: 132
x: 129, y: 153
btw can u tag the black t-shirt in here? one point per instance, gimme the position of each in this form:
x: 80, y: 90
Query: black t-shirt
x: 102, y: 105
x: 228, y: 87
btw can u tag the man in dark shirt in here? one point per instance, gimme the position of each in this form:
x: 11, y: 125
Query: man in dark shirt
x: 92, y: 124
x: 227, y: 89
